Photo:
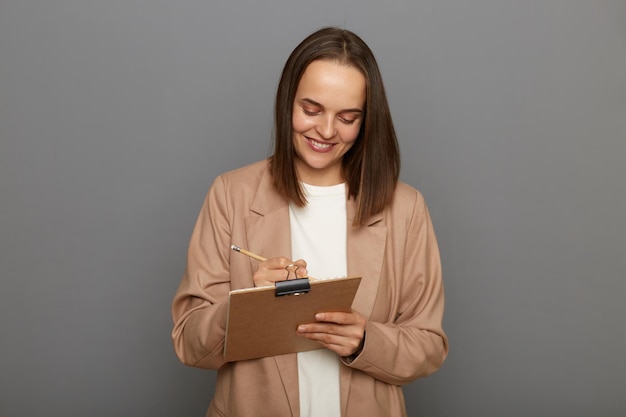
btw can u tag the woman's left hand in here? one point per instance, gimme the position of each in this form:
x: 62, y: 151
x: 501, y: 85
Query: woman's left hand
x: 342, y: 333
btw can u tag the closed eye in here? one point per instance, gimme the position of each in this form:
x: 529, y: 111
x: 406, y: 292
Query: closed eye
x: 347, y: 121
x: 310, y: 112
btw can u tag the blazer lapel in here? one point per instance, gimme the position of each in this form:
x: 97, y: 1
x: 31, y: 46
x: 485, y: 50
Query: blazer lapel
x: 366, y: 250
x: 267, y: 224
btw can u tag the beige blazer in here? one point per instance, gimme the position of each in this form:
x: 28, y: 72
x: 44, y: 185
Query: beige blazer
x: 401, y: 296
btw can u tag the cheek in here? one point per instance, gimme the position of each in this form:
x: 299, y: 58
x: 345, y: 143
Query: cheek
x: 300, y: 123
x: 349, y: 134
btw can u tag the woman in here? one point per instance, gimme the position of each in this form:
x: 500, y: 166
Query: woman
x: 330, y: 197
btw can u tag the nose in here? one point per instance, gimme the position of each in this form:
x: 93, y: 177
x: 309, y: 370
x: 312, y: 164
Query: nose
x: 326, y: 127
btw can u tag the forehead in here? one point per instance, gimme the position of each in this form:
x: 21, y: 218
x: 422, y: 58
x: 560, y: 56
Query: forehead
x: 329, y: 82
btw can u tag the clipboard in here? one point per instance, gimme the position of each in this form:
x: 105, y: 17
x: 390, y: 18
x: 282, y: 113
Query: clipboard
x: 262, y: 321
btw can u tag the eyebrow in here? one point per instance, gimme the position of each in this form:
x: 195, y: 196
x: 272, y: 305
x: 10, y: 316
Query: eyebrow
x: 315, y: 103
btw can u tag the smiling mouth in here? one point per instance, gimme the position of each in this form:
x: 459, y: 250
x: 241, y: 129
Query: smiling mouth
x: 319, y: 145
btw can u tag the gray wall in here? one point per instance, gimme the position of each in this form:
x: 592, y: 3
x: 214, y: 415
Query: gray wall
x: 116, y: 115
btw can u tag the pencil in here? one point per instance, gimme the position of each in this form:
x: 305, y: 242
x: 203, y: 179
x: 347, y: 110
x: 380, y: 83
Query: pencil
x: 248, y: 253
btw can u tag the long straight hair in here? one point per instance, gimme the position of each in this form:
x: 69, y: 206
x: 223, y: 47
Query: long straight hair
x: 372, y: 166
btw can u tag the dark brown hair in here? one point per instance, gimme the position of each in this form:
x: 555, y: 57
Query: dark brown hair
x: 372, y: 166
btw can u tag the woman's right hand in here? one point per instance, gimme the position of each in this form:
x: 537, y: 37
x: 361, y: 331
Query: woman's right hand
x: 278, y: 269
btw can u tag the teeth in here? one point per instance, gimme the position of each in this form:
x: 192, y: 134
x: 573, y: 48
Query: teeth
x: 320, y: 144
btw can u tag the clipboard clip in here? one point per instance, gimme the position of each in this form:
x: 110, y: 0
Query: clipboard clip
x: 292, y: 287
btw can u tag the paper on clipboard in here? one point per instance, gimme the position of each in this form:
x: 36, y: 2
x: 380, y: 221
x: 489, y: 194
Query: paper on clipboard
x: 262, y: 324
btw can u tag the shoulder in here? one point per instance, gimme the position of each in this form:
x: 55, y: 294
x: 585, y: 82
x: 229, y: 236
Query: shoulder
x: 408, y: 212
x: 250, y: 186
x: 246, y: 174
x: 406, y: 198
x: 245, y: 178
x: 407, y: 206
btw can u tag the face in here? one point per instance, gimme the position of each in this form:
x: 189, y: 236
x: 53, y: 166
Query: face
x: 327, y: 115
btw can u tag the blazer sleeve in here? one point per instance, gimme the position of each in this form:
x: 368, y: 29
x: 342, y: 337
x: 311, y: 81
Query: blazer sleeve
x: 199, y: 307
x: 411, y: 343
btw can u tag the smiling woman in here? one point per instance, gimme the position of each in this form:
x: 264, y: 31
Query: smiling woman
x: 326, y: 118
x: 329, y: 197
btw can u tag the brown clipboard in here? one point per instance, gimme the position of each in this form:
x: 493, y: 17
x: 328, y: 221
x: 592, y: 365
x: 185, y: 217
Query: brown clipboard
x: 262, y: 323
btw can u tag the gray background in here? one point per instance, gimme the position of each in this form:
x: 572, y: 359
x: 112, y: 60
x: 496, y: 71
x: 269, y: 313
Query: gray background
x: 116, y: 115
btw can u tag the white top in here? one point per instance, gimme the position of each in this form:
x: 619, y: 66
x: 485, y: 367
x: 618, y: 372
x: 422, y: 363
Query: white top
x: 318, y: 235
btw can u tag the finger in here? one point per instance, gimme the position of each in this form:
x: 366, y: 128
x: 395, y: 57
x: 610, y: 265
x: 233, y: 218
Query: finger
x: 301, y: 270
x: 344, y: 346
x: 296, y: 269
x: 270, y: 271
x: 340, y: 318
x: 275, y: 263
x: 329, y: 329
